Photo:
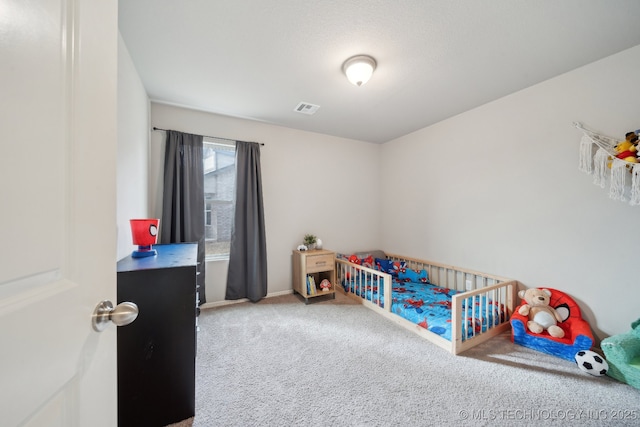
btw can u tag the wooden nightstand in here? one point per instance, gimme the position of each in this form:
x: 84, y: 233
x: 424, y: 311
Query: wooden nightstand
x: 310, y: 268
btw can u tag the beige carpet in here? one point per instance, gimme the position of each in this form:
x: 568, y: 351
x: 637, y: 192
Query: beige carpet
x: 336, y: 363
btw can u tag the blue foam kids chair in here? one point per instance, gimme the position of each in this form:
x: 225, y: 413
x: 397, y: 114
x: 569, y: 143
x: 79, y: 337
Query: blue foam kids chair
x: 577, y: 332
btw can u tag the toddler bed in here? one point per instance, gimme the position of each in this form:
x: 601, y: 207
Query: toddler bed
x: 452, y: 307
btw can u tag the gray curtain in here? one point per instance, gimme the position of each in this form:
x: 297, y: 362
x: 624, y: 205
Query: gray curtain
x: 183, y: 198
x: 247, y: 275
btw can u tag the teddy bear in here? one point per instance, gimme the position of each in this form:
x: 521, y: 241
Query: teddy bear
x: 541, y: 315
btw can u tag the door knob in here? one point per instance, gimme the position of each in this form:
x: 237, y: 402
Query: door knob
x: 123, y: 314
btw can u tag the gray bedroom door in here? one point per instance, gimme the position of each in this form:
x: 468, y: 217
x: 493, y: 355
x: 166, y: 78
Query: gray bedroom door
x: 58, y: 75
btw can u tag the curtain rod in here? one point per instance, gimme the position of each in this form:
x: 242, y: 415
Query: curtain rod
x: 216, y: 137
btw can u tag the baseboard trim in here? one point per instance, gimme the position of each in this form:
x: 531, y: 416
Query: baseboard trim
x: 215, y: 304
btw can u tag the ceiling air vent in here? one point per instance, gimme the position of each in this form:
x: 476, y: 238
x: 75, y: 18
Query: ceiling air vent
x: 306, y: 108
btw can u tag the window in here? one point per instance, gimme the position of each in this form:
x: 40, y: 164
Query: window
x: 219, y: 191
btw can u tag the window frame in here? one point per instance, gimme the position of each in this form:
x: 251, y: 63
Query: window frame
x: 209, y: 203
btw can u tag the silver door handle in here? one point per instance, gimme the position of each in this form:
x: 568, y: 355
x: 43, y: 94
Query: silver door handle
x: 123, y: 314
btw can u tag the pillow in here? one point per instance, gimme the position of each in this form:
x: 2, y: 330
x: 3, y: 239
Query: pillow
x: 367, y: 262
x: 366, y: 259
x: 409, y: 275
x: 354, y: 259
x: 374, y: 254
x: 347, y: 257
x: 388, y: 266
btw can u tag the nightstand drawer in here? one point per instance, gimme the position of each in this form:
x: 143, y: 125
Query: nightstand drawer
x: 320, y: 262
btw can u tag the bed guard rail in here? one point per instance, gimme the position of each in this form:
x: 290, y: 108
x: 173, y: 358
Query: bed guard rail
x: 365, y: 282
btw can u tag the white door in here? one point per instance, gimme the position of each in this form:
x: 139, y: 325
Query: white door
x: 58, y: 89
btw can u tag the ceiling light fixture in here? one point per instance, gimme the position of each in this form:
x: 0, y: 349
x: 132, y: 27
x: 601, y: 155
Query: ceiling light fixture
x: 359, y: 69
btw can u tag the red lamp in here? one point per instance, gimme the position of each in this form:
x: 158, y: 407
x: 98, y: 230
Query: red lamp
x: 145, y: 235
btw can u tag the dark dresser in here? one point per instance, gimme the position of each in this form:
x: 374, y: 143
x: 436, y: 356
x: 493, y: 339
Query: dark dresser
x: 156, y: 353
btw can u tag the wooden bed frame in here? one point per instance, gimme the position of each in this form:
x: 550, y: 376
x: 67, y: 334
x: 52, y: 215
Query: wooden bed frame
x: 469, y: 283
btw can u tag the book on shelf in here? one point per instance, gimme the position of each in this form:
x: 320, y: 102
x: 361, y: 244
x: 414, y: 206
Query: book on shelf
x: 311, y: 285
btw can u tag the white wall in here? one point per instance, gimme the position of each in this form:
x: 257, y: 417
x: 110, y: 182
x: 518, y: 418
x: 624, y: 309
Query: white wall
x: 497, y: 189
x: 133, y: 149
x: 301, y: 175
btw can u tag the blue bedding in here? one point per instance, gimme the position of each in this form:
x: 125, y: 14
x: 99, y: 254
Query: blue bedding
x: 429, y: 306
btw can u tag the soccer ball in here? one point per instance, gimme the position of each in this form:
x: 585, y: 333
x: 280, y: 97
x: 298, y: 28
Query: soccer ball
x: 591, y: 363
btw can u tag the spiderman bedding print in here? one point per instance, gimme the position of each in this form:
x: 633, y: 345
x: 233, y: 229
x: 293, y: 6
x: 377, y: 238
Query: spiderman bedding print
x: 453, y: 307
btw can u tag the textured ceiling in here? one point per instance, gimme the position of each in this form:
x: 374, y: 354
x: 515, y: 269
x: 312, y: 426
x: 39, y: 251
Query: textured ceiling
x: 257, y: 59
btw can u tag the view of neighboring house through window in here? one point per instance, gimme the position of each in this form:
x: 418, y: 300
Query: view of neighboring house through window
x: 219, y: 191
